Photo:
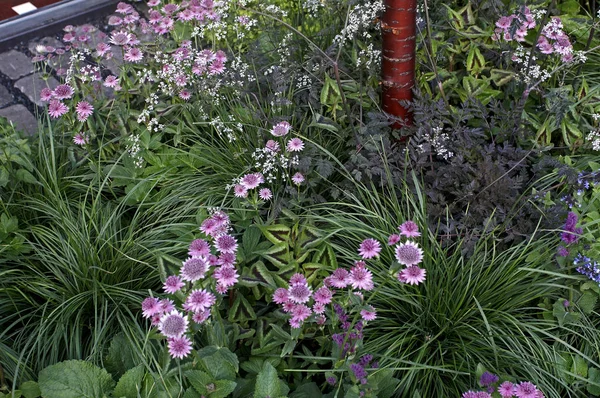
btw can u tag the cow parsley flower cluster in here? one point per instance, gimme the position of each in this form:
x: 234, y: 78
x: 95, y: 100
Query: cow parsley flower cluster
x: 361, y: 21
x: 209, y: 271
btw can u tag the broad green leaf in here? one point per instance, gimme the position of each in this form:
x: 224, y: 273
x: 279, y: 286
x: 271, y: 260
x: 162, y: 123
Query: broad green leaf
x: 30, y: 389
x: 220, y: 363
x: 120, y: 357
x: 593, y: 386
x: 130, y: 383
x: 308, y: 390
x: 579, y: 366
x: 268, y: 384
x: 587, y: 302
x: 199, y: 380
x: 75, y: 379
x: 222, y: 388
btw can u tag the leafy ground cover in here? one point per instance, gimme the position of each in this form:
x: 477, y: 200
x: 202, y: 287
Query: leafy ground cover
x: 234, y: 215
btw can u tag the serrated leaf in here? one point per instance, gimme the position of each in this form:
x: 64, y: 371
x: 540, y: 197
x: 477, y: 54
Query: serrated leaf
x: 223, y: 388
x: 199, y: 380
x: 120, y: 357
x: 308, y: 390
x: 74, y: 379
x: 261, y: 272
x: 277, y: 233
x: 241, y: 310
x: 130, y: 383
x: 268, y: 384
x: 501, y: 76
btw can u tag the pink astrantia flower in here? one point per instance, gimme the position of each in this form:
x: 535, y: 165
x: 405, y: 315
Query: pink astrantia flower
x: 369, y: 248
x: 114, y: 20
x: 281, y: 129
x: 173, y: 284
x: 240, y: 191
x: 272, y: 146
x: 340, y: 278
x: 360, y: 277
x: 368, y: 314
x: 265, y: 194
x: 153, y: 3
x: 63, y: 91
x: 167, y: 305
x: 227, y: 259
x: 81, y: 139
x: 393, y: 239
x: 281, y: 296
x: 185, y: 95
x: 226, y: 244
x: 84, y: 110
x: 200, y: 317
x: 251, y: 181
x: 298, y: 178
x: 323, y: 295
x: 180, y: 347
x: 506, y: 389
x: 409, y: 253
x: 295, y: 145
x: 193, y: 269
x: 151, y: 306
x: 56, y: 109
x: 412, y: 275
x: 298, y: 279
x: 226, y: 275
x: 173, y: 324
x: 300, y: 313
x: 121, y: 38
x: 409, y: 229
x: 199, y: 248
x: 299, y: 293
x: 124, y: 8
x: 133, y: 54
x: 111, y: 81
x: 46, y: 94
x: 526, y: 389
x: 199, y: 300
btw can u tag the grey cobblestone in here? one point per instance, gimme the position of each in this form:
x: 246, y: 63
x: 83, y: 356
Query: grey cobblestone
x: 21, y: 118
x: 15, y: 64
x: 32, y: 85
x: 5, y: 97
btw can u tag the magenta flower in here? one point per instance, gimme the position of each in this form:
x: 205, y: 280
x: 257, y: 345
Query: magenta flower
x: 193, y: 269
x: 227, y: 259
x: 199, y: 248
x: 167, y: 305
x: 63, y: 91
x: 114, y: 20
x: 240, y: 191
x: 412, y: 275
x: 84, y: 110
x: 526, y: 389
x: 272, y: 146
x: 133, y: 54
x: 368, y: 314
x: 251, y: 181
x: 360, y: 277
x: 46, y: 94
x: 295, y: 145
x: 300, y: 313
x: 369, y: 248
x: 298, y: 279
x: 199, y: 300
x: 180, y: 347
x: 151, y: 306
x: 409, y: 253
x: 226, y: 275
x: 265, y: 194
x: 393, y: 239
x: 173, y: 324
x: 298, y: 178
x: 81, y: 139
x: 506, y: 389
x: 280, y: 296
x: 200, y: 317
x: 409, y: 229
x: 318, y: 308
x: 111, y: 81
x: 185, y: 95
x: 124, y: 8
x: 281, y: 129
x: 323, y: 295
x: 121, y: 38
x: 226, y: 244
x: 56, y: 109
x: 299, y: 293
x: 340, y: 278
x: 173, y: 284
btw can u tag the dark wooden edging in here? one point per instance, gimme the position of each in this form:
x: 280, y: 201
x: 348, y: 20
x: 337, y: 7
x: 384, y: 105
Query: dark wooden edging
x: 50, y: 18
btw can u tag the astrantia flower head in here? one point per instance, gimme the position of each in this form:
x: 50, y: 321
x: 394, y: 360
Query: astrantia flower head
x: 226, y: 275
x: 340, y: 278
x: 227, y: 259
x: 369, y: 248
x: 526, y: 389
x: 199, y: 300
x: 111, y: 81
x: 84, y: 110
x: 240, y: 191
x: 199, y: 248
x: 63, y: 91
x: 295, y: 145
x: 265, y: 194
x: 393, y: 239
x: 299, y: 293
x: 323, y: 295
x: 167, y: 305
x: 281, y: 129
x: 56, y: 109
x: 368, y: 314
x: 272, y: 146
x: 193, y: 269
x: 226, y: 244
x: 173, y: 324
x: 280, y: 296
x: 409, y: 253
x: 150, y: 307
x: 46, y: 94
x: 200, y: 317
x: 121, y: 38
x: 133, y: 54
x: 81, y: 139
x: 180, y: 347
x: 409, y: 229
x: 361, y: 278
x: 251, y: 181
x: 412, y: 275
x: 173, y: 284
x: 298, y: 279
x: 506, y: 389
x: 298, y: 178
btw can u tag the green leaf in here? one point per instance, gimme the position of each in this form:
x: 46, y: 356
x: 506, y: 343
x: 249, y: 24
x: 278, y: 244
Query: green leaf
x: 120, y: 357
x: 268, y: 384
x: 130, y: 383
x: 25, y: 176
x: 579, y: 366
x: 223, y: 388
x: 4, y: 178
x: 570, y: 7
x: 587, y: 302
x: 308, y: 390
x: 30, y: 389
x: 594, y: 381
x: 220, y: 363
x: 199, y: 380
x: 277, y: 233
x: 75, y: 379
x: 288, y: 347
x: 241, y: 310
x: 563, y: 316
